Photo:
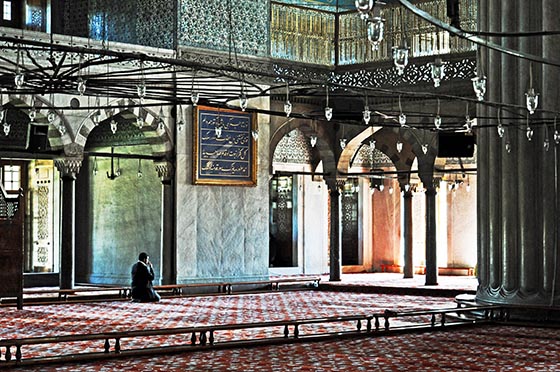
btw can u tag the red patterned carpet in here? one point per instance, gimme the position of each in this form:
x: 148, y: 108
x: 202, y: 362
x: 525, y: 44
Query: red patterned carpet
x: 488, y: 348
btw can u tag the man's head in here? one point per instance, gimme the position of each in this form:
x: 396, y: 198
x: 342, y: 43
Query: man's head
x: 143, y: 257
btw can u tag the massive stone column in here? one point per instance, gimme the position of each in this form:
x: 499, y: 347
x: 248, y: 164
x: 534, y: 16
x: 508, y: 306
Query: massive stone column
x: 431, y: 236
x: 168, y: 268
x: 518, y: 247
x: 408, y: 269
x: 334, y: 231
x: 69, y: 168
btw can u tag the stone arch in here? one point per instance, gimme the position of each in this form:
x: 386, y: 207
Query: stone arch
x: 322, y: 150
x: 352, y: 146
x: 161, y: 144
x: 58, y: 138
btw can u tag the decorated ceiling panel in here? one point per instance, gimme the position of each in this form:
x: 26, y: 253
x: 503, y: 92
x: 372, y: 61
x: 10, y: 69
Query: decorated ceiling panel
x: 326, y: 5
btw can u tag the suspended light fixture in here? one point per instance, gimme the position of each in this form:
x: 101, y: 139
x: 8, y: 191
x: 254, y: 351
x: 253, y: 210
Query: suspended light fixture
x: 381, y: 187
x: 400, y: 58
x: 195, y: 95
x: 95, y: 170
x: 19, y: 78
x: 51, y: 116
x: 364, y: 7
x: 313, y: 140
x: 438, y: 72
x: 366, y: 114
x: 255, y: 134
x: 139, y: 173
x: 402, y: 116
x: 529, y: 131
x: 243, y: 100
x: 531, y: 97
x: 81, y: 86
x: 372, y: 145
x: 407, y: 187
x: 437, y: 119
x: 287, y: 104
x: 391, y: 190
x: 479, y: 86
x: 399, y: 146
x: 556, y: 133
x: 32, y: 112
x: 141, y: 86
x: 532, y: 100
x: 501, y: 129
x: 113, y: 125
x: 343, y: 142
x: 139, y: 122
x: 375, y: 31
x: 6, y: 128
x: 328, y: 110
x: 425, y: 148
x: 180, y: 122
x: 546, y: 143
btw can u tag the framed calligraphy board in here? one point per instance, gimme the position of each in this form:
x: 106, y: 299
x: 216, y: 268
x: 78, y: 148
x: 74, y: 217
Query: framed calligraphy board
x: 224, y: 150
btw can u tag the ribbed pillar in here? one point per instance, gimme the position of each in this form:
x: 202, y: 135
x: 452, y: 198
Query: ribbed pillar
x: 483, y: 173
x: 527, y: 164
x: 407, y: 232
x: 549, y: 187
x: 507, y: 173
x: 494, y: 150
x: 431, y: 237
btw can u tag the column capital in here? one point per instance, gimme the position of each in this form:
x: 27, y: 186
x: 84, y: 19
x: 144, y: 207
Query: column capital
x: 68, y: 166
x: 165, y: 171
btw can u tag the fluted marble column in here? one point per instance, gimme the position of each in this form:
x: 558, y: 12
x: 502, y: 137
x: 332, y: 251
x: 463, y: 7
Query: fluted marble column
x: 407, y: 232
x: 518, y: 242
x: 69, y: 168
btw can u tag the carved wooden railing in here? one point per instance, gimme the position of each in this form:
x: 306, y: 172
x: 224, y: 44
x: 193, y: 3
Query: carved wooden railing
x: 309, y: 36
x: 274, y: 332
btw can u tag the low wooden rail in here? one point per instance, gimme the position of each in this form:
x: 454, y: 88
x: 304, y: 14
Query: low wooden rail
x: 204, y: 337
x: 228, y: 287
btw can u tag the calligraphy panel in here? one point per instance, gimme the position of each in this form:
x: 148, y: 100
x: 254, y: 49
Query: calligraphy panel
x: 224, y: 150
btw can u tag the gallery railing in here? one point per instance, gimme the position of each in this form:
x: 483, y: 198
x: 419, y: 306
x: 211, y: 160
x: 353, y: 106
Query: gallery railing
x: 311, y: 36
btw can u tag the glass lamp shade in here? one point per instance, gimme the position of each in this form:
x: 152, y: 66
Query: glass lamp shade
x: 195, y: 96
x: 529, y: 133
x: 81, y: 86
x: 287, y: 108
x: 113, y: 125
x: 313, y: 140
x: 218, y: 131
x: 141, y: 90
x: 180, y: 125
x: 501, y: 130
x: 19, y: 79
x: 6, y: 129
x: 343, y: 143
x: 508, y: 147
x: 139, y: 122
x: 328, y: 113
x: 556, y: 137
x: 51, y: 116
x: 372, y: 145
x: 532, y: 99
x: 32, y: 114
x: 61, y: 129
x: 425, y: 148
x: 479, y: 86
x: 375, y: 31
x: 437, y: 122
x: 400, y: 58
x: 437, y: 73
x: 243, y: 102
x: 402, y: 119
x: 364, y: 7
x: 255, y: 134
x: 399, y: 146
x: 366, y: 114
x: 546, y: 144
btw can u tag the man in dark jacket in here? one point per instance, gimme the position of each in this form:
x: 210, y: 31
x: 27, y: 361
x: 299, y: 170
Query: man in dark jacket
x: 142, y: 276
